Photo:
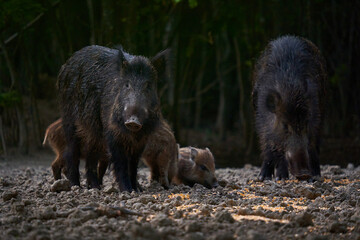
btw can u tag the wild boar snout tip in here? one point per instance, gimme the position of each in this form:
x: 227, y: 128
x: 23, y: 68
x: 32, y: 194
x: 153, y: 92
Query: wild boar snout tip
x: 133, y: 124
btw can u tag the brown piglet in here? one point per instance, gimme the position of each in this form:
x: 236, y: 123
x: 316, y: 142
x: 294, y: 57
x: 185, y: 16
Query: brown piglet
x: 161, y: 154
x: 55, y: 137
x: 196, y: 166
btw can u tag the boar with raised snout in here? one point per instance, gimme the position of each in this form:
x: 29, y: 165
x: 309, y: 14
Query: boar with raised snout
x: 196, y: 166
x: 288, y: 98
x: 109, y: 96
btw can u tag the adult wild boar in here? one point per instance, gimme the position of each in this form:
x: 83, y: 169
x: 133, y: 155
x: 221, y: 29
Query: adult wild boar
x: 288, y: 98
x: 109, y: 96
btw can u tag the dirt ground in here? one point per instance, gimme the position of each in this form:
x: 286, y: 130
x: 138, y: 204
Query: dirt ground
x: 32, y: 206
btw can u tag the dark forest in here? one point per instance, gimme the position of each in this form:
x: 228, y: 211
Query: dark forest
x: 214, y: 46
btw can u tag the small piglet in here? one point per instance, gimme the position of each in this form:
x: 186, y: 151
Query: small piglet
x: 196, y: 166
x: 161, y: 154
x: 55, y: 138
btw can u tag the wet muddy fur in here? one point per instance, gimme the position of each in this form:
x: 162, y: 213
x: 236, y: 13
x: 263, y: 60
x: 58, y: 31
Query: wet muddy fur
x: 288, y: 98
x: 108, y: 96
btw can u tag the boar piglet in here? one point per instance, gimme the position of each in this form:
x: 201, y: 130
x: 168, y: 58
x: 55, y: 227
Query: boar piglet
x: 196, y: 166
x: 108, y: 96
x: 55, y: 137
x: 161, y: 154
x: 288, y: 98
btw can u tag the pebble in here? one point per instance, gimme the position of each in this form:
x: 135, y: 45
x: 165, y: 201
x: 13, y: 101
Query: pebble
x: 7, y: 195
x: 338, y: 227
x: 308, y: 192
x: 304, y: 219
x: 61, y: 185
x: 110, y: 189
x: 192, y: 227
x: 224, y: 216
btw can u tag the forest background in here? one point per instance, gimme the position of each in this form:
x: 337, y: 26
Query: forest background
x: 214, y: 46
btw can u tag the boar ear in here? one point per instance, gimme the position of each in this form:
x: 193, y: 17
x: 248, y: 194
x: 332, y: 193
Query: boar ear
x: 193, y: 153
x: 273, y: 100
x: 160, y: 62
x: 122, y: 63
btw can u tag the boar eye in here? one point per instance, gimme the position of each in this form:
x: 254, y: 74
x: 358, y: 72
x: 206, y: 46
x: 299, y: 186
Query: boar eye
x: 127, y: 85
x: 286, y: 127
x: 202, y: 167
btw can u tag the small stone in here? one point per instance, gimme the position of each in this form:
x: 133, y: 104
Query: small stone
x: 4, y: 182
x: 224, y: 216
x: 83, y: 216
x: 61, y: 185
x: 13, y: 232
x: 308, y: 192
x: 193, y: 227
x: 350, y: 166
x: 145, y: 199
x: 232, y: 185
x: 195, y: 236
x: 254, y: 235
x: 47, y: 213
x: 338, y: 227
x: 9, y: 195
x: 224, y: 235
x: 162, y: 220
x: 304, y: 219
x: 222, y: 182
x: 110, y: 189
x: 18, y: 207
x: 144, y: 232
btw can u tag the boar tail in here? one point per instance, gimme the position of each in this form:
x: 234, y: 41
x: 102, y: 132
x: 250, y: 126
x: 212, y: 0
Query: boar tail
x: 45, y: 137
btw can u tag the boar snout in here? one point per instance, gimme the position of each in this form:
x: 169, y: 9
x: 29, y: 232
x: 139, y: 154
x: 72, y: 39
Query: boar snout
x: 215, y: 183
x: 299, y: 164
x: 133, y: 124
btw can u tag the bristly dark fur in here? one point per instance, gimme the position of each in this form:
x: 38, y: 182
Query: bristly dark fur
x: 288, y: 90
x: 95, y: 85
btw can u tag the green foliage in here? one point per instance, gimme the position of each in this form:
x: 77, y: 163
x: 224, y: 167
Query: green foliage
x: 16, y: 13
x: 9, y: 99
x: 192, y: 3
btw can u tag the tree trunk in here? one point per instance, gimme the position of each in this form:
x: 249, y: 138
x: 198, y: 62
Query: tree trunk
x: 9, y: 64
x: 35, y: 120
x: 241, y: 88
x: 221, y: 106
x: 198, y: 96
x: 2, y: 137
x: 23, y: 143
x: 91, y: 21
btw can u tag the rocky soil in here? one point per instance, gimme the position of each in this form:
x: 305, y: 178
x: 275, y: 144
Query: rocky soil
x: 34, y: 206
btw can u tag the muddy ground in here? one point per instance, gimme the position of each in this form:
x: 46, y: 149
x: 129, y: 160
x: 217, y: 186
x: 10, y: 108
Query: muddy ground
x: 32, y: 206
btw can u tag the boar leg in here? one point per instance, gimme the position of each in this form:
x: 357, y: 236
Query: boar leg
x: 72, y: 157
x: 91, y: 169
x: 72, y: 153
x: 134, y: 160
x: 120, y: 163
x: 282, y: 170
x: 102, y: 166
x: 314, y: 162
x: 267, y: 169
x: 163, y: 168
x: 56, y: 167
